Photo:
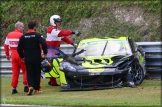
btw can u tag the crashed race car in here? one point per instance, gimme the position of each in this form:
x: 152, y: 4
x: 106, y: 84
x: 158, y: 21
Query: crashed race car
x: 98, y: 63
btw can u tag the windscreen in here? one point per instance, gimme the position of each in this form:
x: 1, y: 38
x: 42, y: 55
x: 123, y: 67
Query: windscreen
x: 104, y: 48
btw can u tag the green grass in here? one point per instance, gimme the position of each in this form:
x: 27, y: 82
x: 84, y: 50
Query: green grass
x: 147, y: 94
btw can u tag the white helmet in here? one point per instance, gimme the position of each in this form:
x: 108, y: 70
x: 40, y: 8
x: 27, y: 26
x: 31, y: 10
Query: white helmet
x: 55, y: 18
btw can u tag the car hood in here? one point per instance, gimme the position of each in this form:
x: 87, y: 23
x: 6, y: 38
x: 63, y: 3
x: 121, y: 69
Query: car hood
x: 101, y: 61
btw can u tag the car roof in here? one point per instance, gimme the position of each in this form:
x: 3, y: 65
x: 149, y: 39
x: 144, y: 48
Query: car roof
x: 122, y: 38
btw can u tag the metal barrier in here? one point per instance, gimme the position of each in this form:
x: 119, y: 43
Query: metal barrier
x: 5, y: 65
x: 153, y: 51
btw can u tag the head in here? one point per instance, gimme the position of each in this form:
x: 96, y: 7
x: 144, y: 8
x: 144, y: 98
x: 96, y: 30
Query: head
x: 46, y: 66
x: 32, y: 24
x: 55, y: 20
x: 20, y: 26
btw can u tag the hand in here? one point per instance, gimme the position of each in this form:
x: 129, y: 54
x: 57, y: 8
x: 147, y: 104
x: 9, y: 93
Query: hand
x: 44, y: 56
x: 22, y: 59
x: 8, y: 57
x: 76, y: 33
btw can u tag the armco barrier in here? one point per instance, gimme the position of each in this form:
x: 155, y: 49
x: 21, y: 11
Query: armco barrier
x: 5, y: 65
x: 153, y: 51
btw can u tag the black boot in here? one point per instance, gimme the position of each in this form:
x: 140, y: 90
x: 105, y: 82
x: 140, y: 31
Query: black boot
x: 14, y: 91
x: 49, y: 83
x: 26, y: 89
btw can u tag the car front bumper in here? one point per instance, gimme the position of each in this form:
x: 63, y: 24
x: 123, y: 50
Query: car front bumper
x: 106, y: 71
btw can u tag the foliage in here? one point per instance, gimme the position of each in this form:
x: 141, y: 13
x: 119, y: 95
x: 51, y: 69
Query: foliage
x: 73, y: 12
x: 152, y: 5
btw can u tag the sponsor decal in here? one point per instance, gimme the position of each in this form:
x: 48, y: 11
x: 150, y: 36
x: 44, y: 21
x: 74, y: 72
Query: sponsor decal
x: 29, y: 36
x: 13, y: 42
x: 94, y: 73
x: 92, y: 43
x: 103, y: 42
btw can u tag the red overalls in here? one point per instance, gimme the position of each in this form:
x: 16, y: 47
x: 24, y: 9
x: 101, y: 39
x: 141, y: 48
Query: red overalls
x: 11, y: 43
x: 54, y: 37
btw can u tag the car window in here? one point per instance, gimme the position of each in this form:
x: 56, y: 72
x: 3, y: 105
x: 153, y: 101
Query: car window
x: 93, y: 48
x: 117, y: 47
x: 105, y: 48
x: 52, y: 53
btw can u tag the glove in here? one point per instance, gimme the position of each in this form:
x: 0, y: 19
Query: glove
x: 76, y: 33
x: 22, y: 59
x: 75, y: 46
x: 8, y: 58
x: 43, y: 56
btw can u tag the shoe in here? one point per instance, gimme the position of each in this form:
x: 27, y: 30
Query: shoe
x: 65, y: 86
x: 26, y: 89
x: 49, y: 83
x: 31, y: 90
x: 14, y: 91
x: 131, y: 84
x: 38, y: 91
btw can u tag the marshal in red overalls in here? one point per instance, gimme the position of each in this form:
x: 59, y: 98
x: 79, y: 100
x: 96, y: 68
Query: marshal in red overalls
x: 11, y: 43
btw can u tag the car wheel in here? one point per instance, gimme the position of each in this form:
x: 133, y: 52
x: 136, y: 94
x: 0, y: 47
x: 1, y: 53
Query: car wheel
x: 137, y: 73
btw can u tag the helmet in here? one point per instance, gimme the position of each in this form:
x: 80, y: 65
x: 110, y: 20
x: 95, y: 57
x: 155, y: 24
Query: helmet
x: 55, y: 18
x: 46, y: 66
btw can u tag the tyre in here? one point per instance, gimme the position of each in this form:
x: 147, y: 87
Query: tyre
x: 137, y: 73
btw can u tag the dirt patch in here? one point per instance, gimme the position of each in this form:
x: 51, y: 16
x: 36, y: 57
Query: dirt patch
x: 133, y: 15
x: 86, y: 24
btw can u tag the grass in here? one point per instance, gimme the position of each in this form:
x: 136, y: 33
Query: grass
x: 147, y: 94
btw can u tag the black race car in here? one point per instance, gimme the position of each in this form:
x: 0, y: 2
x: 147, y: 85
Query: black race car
x: 98, y: 63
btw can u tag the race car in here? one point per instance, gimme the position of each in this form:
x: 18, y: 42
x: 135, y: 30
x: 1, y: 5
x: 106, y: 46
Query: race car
x: 98, y: 63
